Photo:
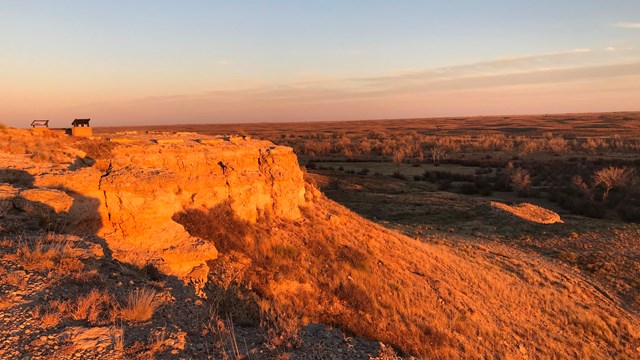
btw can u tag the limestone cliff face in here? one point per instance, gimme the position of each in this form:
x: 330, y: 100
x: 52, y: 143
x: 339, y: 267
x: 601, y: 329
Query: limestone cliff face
x: 132, y: 203
x: 146, y: 185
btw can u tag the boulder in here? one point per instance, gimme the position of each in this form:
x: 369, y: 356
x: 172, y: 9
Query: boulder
x: 88, y: 338
x: 43, y: 202
x: 529, y: 212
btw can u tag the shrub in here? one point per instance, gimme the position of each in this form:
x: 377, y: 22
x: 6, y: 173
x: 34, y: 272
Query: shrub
x: 521, y: 180
x: 609, y: 178
x: 281, y: 328
x: 70, y: 266
x: 558, y: 145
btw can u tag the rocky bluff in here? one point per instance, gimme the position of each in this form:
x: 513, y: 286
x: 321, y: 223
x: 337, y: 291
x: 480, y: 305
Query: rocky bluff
x: 130, y: 197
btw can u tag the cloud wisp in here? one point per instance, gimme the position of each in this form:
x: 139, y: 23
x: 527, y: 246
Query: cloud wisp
x: 627, y: 25
x: 581, y: 69
x: 578, y: 65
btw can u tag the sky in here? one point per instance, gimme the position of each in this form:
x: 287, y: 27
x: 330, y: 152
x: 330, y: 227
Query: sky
x: 133, y: 62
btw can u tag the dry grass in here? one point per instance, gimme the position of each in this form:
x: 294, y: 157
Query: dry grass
x: 117, y: 335
x: 36, y: 257
x: 66, y: 351
x: 69, y: 265
x: 97, y: 307
x: 157, y: 343
x: 50, y: 319
x: 40, y: 146
x: 442, y: 138
x: 223, y: 334
x: 281, y: 329
x: 140, y: 305
x: 40, y: 256
x: 427, y: 300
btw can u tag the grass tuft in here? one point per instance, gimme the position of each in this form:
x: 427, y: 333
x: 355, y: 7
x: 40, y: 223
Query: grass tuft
x: 40, y: 256
x: 140, y: 305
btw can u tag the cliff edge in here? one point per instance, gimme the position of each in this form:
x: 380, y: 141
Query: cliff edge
x: 129, y: 191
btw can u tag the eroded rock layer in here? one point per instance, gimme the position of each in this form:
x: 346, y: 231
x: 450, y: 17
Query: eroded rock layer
x: 131, y: 197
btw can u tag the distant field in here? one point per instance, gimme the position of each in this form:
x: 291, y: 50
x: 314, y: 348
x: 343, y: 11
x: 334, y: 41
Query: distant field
x: 587, y: 124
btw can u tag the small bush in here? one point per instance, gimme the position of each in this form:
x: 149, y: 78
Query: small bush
x: 521, y: 180
x: 5, y: 302
x: 70, y: 266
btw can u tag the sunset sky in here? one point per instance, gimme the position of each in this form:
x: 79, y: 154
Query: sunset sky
x: 165, y: 62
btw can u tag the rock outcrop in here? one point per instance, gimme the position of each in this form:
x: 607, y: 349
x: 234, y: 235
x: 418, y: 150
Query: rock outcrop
x: 529, y: 212
x: 43, y: 201
x: 132, y: 200
x: 146, y: 185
